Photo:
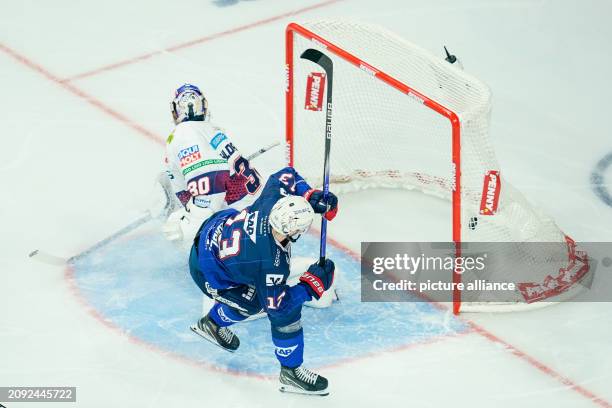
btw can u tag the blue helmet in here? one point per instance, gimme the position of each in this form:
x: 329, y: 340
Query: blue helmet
x: 188, y: 104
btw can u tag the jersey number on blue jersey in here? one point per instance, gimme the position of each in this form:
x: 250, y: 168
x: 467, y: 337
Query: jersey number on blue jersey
x: 274, y: 302
x: 231, y: 246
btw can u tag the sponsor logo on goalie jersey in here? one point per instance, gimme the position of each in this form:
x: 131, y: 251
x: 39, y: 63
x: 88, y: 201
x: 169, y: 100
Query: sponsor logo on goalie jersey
x: 201, y: 164
x: 201, y: 202
x: 217, y: 139
x: 490, y: 193
x: 189, y: 155
x: 315, y: 88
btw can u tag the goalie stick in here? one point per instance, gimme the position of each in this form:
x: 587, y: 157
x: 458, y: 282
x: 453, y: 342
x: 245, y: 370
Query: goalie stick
x: 51, y: 259
x: 326, y: 63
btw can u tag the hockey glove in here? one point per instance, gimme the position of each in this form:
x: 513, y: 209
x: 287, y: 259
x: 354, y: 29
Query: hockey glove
x: 318, y: 278
x: 315, y: 198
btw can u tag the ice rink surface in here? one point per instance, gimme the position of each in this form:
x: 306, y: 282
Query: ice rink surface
x: 85, y: 89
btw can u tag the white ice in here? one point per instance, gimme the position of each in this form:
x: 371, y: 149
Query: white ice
x: 72, y: 172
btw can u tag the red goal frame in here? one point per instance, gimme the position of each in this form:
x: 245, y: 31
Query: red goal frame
x: 296, y: 29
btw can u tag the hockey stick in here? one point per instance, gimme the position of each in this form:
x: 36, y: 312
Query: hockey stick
x: 326, y: 63
x: 48, y: 258
x: 261, y: 151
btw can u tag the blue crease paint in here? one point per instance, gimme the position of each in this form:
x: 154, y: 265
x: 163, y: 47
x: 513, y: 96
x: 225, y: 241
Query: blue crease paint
x: 141, y: 284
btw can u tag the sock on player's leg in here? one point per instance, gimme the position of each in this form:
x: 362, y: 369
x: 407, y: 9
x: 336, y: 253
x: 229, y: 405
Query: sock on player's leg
x: 214, y: 326
x: 290, y: 350
x: 224, y: 316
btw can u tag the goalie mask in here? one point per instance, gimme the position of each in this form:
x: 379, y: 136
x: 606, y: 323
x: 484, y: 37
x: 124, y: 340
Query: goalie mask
x: 188, y: 104
x: 291, y: 216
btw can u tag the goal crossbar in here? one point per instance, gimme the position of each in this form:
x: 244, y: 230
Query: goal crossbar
x: 296, y: 29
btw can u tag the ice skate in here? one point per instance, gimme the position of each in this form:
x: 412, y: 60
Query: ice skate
x: 300, y: 380
x: 220, y: 336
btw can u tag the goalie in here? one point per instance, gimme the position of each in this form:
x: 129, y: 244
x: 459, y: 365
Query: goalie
x: 205, y: 172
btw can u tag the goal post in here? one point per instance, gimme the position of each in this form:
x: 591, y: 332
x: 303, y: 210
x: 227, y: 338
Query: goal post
x: 294, y: 28
x: 404, y: 118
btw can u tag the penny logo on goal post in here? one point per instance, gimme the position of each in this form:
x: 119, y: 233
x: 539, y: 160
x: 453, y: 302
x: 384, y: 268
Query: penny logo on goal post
x: 315, y: 88
x: 490, y: 193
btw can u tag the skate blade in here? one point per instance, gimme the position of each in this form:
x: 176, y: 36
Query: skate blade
x: 290, y: 389
x: 194, y: 328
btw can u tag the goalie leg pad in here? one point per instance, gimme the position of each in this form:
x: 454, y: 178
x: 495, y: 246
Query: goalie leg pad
x: 183, y: 225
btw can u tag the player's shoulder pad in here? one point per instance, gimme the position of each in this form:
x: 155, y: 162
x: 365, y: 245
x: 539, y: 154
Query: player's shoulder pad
x: 286, y: 174
x: 182, y: 130
x: 192, y: 132
x: 282, y: 171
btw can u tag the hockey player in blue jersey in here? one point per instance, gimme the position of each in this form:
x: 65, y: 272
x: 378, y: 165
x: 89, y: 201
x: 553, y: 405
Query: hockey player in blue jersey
x: 241, y: 260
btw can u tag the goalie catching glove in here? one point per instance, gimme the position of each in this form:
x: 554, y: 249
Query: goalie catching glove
x: 318, y: 278
x: 316, y: 200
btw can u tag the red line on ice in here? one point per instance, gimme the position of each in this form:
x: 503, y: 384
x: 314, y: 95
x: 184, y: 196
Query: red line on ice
x: 474, y: 328
x: 197, y: 41
x: 540, y: 366
x: 543, y: 368
x: 74, y: 289
x: 69, y: 276
x: 96, y: 103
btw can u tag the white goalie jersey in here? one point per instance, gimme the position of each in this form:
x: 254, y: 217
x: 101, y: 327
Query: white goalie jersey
x: 207, y: 174
x: 203, y: 163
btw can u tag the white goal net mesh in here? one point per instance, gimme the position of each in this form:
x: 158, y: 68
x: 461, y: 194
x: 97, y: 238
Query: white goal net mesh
x: 386, y: 137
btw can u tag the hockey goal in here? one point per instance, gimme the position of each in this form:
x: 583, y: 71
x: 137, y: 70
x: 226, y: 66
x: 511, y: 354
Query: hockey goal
x: 404, y: 118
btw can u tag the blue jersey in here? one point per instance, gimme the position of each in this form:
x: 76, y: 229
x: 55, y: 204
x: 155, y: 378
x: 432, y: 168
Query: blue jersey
x: 237, y: 247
